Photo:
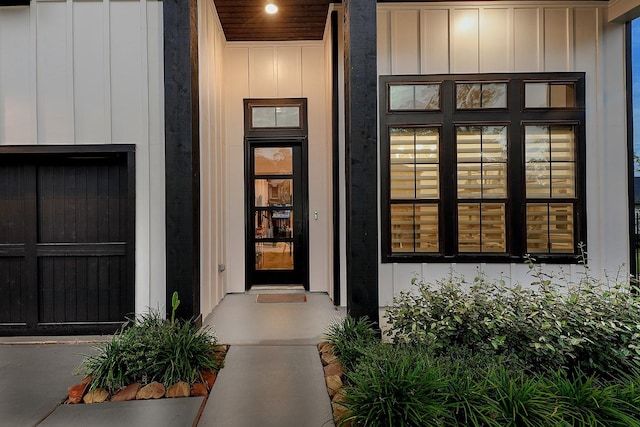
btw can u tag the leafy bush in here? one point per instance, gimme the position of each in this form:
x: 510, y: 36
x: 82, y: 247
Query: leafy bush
x: 586, y: 326
x: 150, y: 348
x: 351, y: 339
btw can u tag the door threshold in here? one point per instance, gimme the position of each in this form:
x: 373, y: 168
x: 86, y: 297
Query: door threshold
x: 275, y: 289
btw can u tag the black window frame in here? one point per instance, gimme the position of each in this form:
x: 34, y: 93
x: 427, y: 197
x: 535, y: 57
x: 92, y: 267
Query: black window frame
x: 515, y: 116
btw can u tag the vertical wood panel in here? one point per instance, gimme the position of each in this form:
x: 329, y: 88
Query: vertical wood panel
x: 82, y: 300
x: 557, y: 56
x: 289, y: 63
x: 81, y: 205
x: 495, y: 41
x: 54, y: 101
x: 70, y: 289
x: 125, y: 67
x: 434, y: 26
x: 464, y: 41
x: 313, y: 72
x: 527, y: 40
x: 384, y: 42
x: 586, y: 41
x: 16, y: 118
x: 12, y: 231
x: 405, y: 42
x: 157, y: 260
x: 262, y: 72
x: 89, y: 66
x: 12, y: 226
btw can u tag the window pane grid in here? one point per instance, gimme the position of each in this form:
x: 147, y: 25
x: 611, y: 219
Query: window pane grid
x: 508, y: 188
x: 550, y: 228
x: 550, y: 161
x: 482, y: 162
x: 482, y: 227
x: 414, y: 167
x: 481, y: 95
x: 414, y: 97
x: 414, y: 228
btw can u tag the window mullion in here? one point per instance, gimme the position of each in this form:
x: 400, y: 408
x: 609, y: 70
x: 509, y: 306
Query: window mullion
x: 448, y: 198
x: 516, y: 189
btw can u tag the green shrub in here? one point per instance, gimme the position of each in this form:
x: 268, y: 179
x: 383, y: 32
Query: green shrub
x: 587, y: 326
x: 351, y: 339
x: 150, y: 348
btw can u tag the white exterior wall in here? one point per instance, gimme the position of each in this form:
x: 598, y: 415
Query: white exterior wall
x: 91, y: 72
x: 213, y: 236
x: 278, y: 70
x: 488, y: 37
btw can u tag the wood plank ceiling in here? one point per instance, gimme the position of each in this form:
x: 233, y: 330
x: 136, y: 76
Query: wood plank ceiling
x: 246, y: 20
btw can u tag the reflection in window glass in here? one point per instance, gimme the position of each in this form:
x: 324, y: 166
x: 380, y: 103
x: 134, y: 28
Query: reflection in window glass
x: 275, y: 117
x: 549, y: 95
x: 414, y: 228
x: 273, y: 192
x: 481, y: 228
x: 550, y: 228
x: 550, y: 161
x: 263, y: 117
x: 273, y: 161
x: 414, y: 163
x: 481, y: 95
x: 287, y: 117
x: 482, y: 161
x: 414, y: 97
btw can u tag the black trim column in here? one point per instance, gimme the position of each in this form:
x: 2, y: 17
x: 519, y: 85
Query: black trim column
x: 633, y: 243
x: 335, y: 154
x: 182, y: 155
x: 360, y: 73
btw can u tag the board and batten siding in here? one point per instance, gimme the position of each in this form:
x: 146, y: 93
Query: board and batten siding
x: 277, y: 70
x: 212, y: 161
x: 492, y: 37
x: 91, y: 72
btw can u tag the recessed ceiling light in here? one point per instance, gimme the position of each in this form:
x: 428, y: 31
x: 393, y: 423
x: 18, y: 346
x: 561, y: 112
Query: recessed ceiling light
x: 271, y: 8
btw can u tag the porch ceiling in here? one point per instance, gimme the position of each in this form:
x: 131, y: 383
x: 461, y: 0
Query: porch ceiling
x: 246, y: 20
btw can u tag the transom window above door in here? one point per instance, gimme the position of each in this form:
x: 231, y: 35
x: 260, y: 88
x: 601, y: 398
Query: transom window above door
x: 482, y: 167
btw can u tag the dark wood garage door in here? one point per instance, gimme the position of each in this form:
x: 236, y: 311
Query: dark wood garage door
x: 66, y: 239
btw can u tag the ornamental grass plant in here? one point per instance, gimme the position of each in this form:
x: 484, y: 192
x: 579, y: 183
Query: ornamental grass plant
x: 150, y: 348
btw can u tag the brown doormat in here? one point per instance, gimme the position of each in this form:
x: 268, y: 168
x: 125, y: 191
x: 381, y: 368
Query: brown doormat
x: 291, y: 297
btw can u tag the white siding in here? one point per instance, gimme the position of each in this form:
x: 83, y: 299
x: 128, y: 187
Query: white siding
x: 91, y: 72
x: 274, y: 70
x: 212, y: 165
x: 491, y: 37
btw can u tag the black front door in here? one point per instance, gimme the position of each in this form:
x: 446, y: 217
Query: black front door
x: 277, y: 212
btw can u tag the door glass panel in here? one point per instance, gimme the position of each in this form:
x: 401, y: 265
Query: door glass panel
x: 274, y: 256
x: 273, y: 192
x: 273, y: 161
x: 273, y: 224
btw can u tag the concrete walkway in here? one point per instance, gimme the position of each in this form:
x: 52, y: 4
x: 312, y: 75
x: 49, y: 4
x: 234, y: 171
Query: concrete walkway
x: 272, y: 375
